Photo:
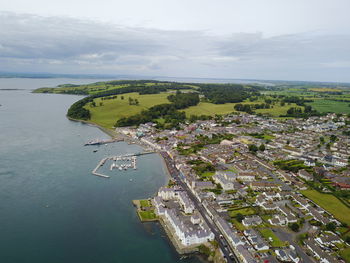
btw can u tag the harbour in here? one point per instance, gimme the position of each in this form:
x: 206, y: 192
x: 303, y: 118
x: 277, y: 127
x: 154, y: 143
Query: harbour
x: 119, y: 162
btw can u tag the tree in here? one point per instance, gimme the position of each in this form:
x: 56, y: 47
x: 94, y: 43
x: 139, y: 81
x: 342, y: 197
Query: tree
x: 347, y: 239
x: 136, y: 102
x: 253, y: 148
x: 101, y: 104
x: 294, y: 227
x: 322, y: 140
x: 121, y: 97
x: 333, y: 138
x: 239, y: 217
x: 93, y: 104
x: 262, y: 147
x: 331, y: 226
x: 307, y: 108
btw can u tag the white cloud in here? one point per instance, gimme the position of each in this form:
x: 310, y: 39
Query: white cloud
x: 67, y: 45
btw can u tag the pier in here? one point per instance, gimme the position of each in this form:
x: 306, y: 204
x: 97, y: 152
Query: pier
x: 99, y: 142
x: 101, y: 163
x: 123, y: 158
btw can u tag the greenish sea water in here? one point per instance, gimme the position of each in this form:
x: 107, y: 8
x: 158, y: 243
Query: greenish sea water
x: 52, y: 209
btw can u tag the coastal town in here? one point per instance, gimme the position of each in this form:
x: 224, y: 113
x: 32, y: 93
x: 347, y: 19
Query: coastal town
x: 248, y: 189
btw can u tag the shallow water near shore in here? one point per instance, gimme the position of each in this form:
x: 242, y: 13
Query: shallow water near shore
x: 52, y: 209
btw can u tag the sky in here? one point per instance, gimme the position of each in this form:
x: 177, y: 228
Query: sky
x: 241, y: 39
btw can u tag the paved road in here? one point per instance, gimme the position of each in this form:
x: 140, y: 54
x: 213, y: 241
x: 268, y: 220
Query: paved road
x: 223, y: 244
x: 285, y: 236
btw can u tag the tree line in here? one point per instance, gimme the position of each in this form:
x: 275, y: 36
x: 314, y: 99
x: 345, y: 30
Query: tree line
x: 227, y: 93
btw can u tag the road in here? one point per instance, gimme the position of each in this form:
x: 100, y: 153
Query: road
x: 223, y: 244
x: 286, y: 236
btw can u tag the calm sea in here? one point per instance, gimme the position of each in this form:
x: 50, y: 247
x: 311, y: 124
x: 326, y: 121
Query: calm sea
x: 52, y: 209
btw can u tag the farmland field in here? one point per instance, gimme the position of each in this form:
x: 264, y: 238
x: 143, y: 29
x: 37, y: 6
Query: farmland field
x: 206, y: 108
x: 331, y: 204
x: 323, y: 105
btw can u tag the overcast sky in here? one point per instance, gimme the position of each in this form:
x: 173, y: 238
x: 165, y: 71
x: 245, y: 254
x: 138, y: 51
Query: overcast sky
x: 260, y: 39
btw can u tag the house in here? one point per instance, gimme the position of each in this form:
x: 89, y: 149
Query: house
x: 187, y: 233
x: 166, y: 193
x: 252, y: 221
x: 233, y: 239
x: 260, y: 200
x: 301, y: 201
x: 159, y: 205
x: 269, y: 206
x: 341, y: 182
x: 244, y: 255
x: 186, y: 202
x: 271, y: 195
x: 202, y: 185
x: 263, y: 185
x: 318, y: 253
x: 278, y: 220
x: 305, y: 175
x: 328, y: 240
x: 317, y: 216
x: 224, y: 183
x: 287, y: 255
x: 256, y: 240
x: 309, y: 162
x: 246, y: 177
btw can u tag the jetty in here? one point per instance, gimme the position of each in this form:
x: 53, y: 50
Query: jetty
x: 100, y: 141
x: 101, y: 163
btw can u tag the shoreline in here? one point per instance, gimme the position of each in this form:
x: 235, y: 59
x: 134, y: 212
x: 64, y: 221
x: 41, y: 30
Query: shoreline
x: 109, y: 132
x: 171, y: 240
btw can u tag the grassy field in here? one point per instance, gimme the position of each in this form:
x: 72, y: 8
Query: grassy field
x: 147, y: 215
x: 331, y: 204
x: 325, y: 89
x: 238, y: 225
x: 277, y: 110
x: 323, y: 105
x: 112, y: 110
x: 244, y: 211
x: 207, y: 175
x: 145, y: 203
x: 345, y: 254
x: 267, y: 233
x: 207, y: 108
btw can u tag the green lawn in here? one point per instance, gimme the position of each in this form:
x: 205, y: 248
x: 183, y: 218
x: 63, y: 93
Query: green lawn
x: 244, y: 211
x: 238, y: 225
x: 267, y: 233
x: 145, y: 203
x: 147, y: 215
x: 112, y: 110
x: 323, y: 105
x: 331, y: 204
x: 345, y: 254
x: 207, y: 175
